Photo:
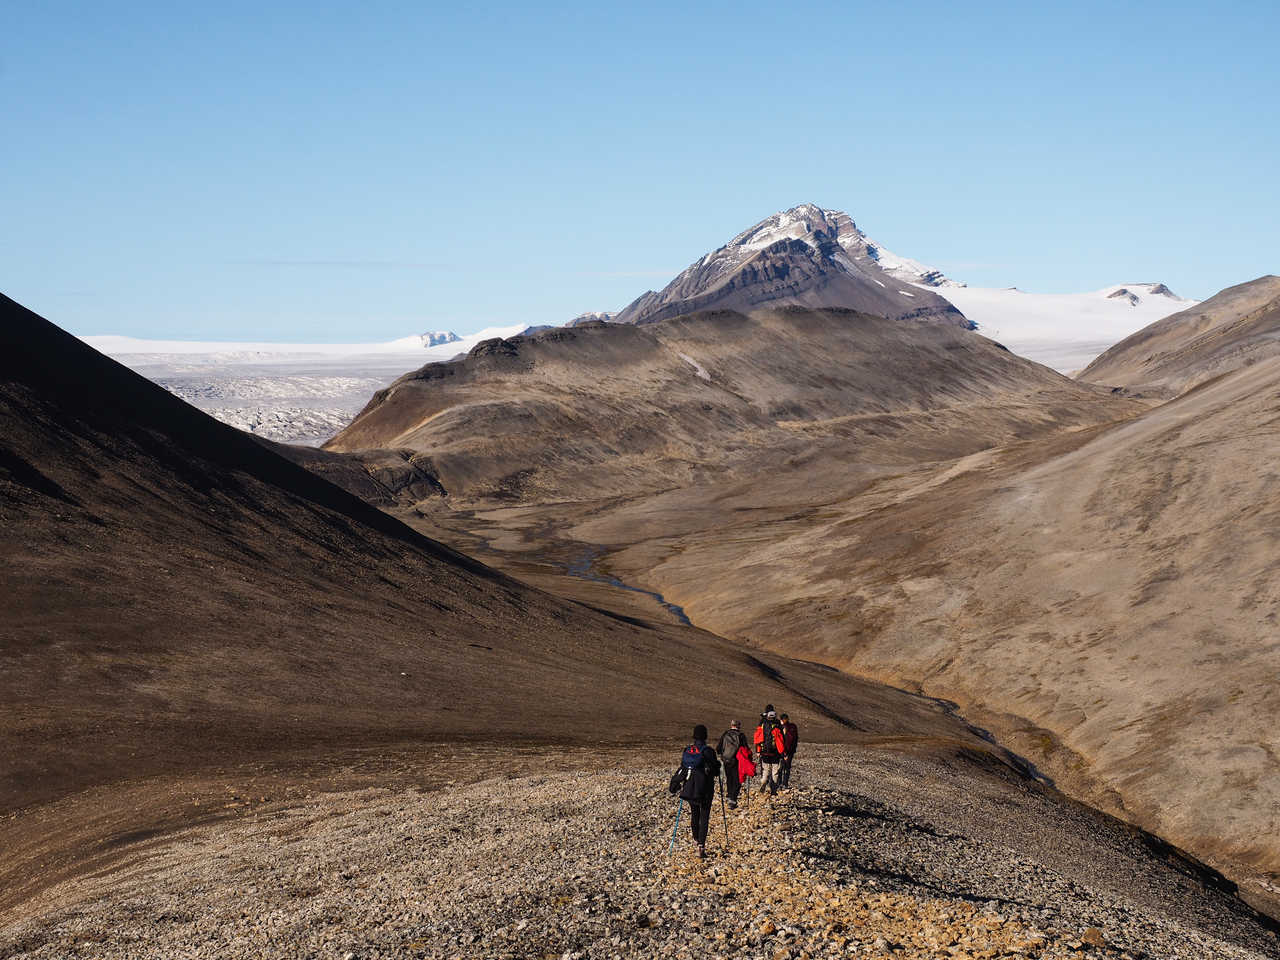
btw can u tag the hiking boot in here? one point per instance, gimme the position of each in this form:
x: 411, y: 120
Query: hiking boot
x: 702, y: 851
x: 733, y: 804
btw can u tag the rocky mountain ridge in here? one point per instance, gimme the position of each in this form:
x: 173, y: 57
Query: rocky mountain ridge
x: 568, y: 412
x: 816, y: 257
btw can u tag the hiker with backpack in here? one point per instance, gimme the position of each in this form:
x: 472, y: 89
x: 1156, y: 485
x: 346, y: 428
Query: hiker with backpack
x: 731, y: 741
x: 699, y: 769
x: 771, y: 748
x: 790, y: 740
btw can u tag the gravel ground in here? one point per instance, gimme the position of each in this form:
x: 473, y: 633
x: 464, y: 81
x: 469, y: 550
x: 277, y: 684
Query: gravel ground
x: 872, y: 853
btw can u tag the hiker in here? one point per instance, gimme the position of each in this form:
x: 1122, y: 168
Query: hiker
x: 701, y: 768
x: 731, y: 741
x: 790, y: 739
x: 770, y: 747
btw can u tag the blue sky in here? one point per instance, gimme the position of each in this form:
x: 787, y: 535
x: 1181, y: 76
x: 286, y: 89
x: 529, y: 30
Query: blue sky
x: 360, y: 172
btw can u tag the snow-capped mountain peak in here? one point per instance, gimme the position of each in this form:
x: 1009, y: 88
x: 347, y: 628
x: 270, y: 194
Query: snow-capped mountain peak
x: 904, y: 268
x: 814, y: 225
x: 806, y: 256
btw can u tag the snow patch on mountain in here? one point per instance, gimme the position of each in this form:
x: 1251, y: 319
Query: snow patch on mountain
x: 698, y: 369
x: 901, y: 268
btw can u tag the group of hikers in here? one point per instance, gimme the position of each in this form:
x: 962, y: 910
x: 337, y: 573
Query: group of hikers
x: 770, y: 752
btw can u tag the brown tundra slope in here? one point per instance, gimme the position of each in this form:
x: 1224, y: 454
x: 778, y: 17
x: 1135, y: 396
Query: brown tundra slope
x: 1110, y: 606
x: 179, y: 602
x: 1093, y: 576
x: 1237, y: 327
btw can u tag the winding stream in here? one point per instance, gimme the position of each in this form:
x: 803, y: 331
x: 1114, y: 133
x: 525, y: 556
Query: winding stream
x: 584, y: 569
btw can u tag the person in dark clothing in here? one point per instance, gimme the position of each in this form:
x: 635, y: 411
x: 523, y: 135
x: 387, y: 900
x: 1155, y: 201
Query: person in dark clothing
x: 769, y: 745
x: 790, y: 739
x: 730, y: 742
x: 702, y: 768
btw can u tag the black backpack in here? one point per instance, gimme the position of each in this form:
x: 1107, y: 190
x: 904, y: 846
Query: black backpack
x: 769, y: 745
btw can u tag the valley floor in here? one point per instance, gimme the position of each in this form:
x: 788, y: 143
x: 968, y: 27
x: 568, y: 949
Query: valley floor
x: 908, y: 849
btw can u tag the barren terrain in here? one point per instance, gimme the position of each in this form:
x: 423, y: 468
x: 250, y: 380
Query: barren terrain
x: 1092, y: 576
x: 188, y: 616
x: 204, y: 641
x: 876, y: 852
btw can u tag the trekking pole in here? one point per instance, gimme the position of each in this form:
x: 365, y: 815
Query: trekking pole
x: 679, y: 809
x: 723, y: 814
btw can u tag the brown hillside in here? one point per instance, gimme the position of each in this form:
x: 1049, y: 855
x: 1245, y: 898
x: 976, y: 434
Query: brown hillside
x: 1235, y: 328
x: 1108, y: 601
x: 603, y: 410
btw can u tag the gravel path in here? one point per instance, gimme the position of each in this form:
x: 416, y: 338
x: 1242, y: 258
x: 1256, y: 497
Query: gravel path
x: 873, y: 853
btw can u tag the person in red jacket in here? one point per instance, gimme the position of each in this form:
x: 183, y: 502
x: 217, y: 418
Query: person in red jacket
x: 790, y: 739
x: 771, y: 748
